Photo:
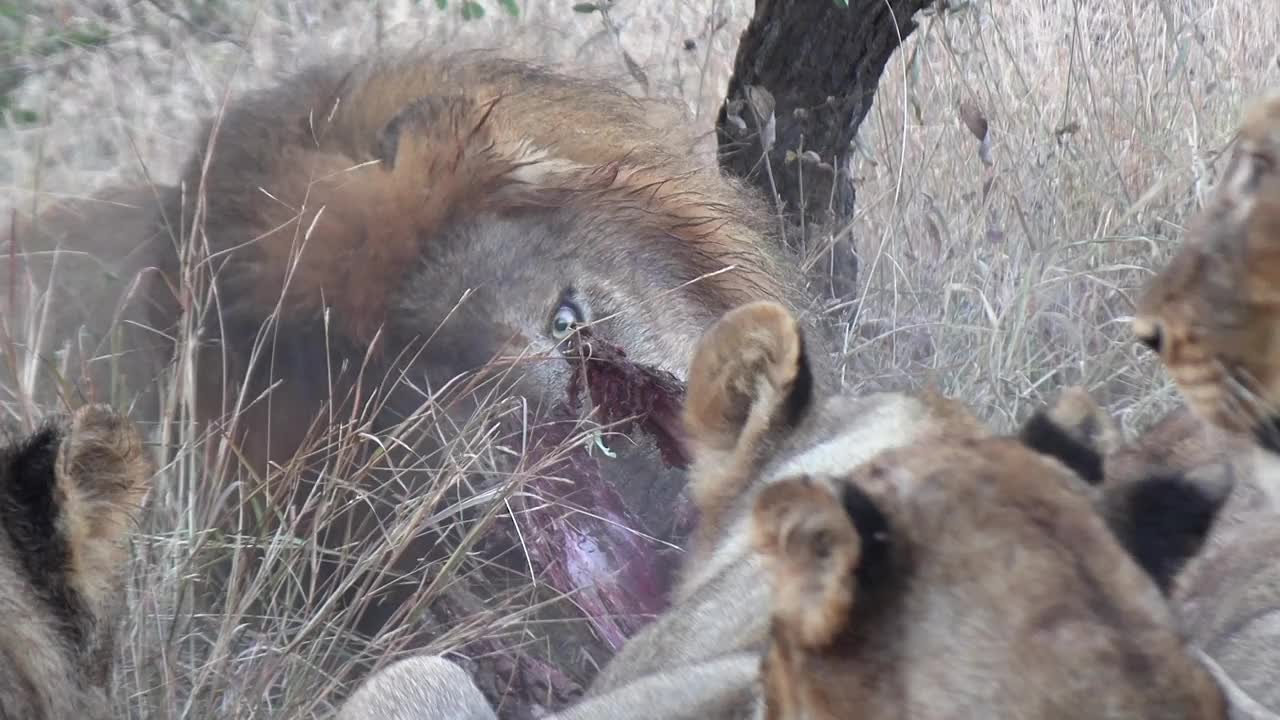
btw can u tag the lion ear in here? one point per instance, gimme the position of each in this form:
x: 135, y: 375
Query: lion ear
x: 749, y: 373
x: 1256, y: 156
x: 78, y: 485
x: 445, y: 142
x: 811, y: 551
x: 420, y: 126
x: 103, y: 476
x: 1076, y: 431
x: 822, y: 548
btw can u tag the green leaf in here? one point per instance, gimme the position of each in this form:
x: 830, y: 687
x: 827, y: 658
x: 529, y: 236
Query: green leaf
x: 511, y: 7
x: 88, y: 37
x: 585, y: 7
x: 442, y: 4
x: 472, y: 10
x: 23, y: 116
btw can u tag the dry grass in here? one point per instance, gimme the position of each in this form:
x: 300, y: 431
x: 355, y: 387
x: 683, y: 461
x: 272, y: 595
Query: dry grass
x: 1107, y: 126
x: 1108, y: 121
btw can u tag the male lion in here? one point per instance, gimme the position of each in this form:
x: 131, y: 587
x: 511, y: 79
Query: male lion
x: 1212, y: 315
x: 873, y: 557
x: 69, y: 494
x: 356, y: 240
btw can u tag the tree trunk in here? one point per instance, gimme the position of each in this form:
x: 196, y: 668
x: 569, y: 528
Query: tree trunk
x: 818, y: 63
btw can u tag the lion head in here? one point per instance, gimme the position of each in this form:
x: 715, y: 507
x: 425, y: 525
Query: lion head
x: 394, y: 244
x: 1210, y: 313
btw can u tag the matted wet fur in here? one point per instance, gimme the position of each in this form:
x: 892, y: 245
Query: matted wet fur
x: 884, y: 556
x: 403, y: 220
x: 1213, y: 316
x: 70, y: 493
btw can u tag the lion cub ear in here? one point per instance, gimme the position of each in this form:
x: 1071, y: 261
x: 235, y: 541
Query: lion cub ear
x: 1256, y: 157
x: 810, y: 550
x: 102, y: 476
x: 749, y: 373
x: 1076, y: 431
x: 71, y: 493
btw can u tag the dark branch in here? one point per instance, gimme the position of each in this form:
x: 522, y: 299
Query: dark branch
x: 819, y: 63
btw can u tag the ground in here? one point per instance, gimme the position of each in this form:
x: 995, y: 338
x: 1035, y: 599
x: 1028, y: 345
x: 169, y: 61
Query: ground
x: 1000, y: 282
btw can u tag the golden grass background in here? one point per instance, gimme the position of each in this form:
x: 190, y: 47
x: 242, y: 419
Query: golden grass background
x: 1109, y: 122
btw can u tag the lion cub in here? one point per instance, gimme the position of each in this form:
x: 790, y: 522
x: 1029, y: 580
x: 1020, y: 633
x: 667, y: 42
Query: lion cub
x: 882, y: 556
x: 1213, y: 316
x: 976, y: 577
x: 69, y: 495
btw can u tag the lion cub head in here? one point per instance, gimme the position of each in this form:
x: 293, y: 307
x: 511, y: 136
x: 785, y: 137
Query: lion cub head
x: 1211, y: 313
x: 958, y: 574
x: 69, y: 495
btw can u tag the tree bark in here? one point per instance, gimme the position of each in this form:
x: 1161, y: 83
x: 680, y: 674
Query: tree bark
x: 819, y: 63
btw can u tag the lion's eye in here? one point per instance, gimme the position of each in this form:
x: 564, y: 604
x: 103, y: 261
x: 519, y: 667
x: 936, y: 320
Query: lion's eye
x: 567, y: 317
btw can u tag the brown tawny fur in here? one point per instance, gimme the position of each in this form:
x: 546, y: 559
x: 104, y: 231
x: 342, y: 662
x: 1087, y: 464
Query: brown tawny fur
x: 1213, y: 316
x: 70, y: 494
